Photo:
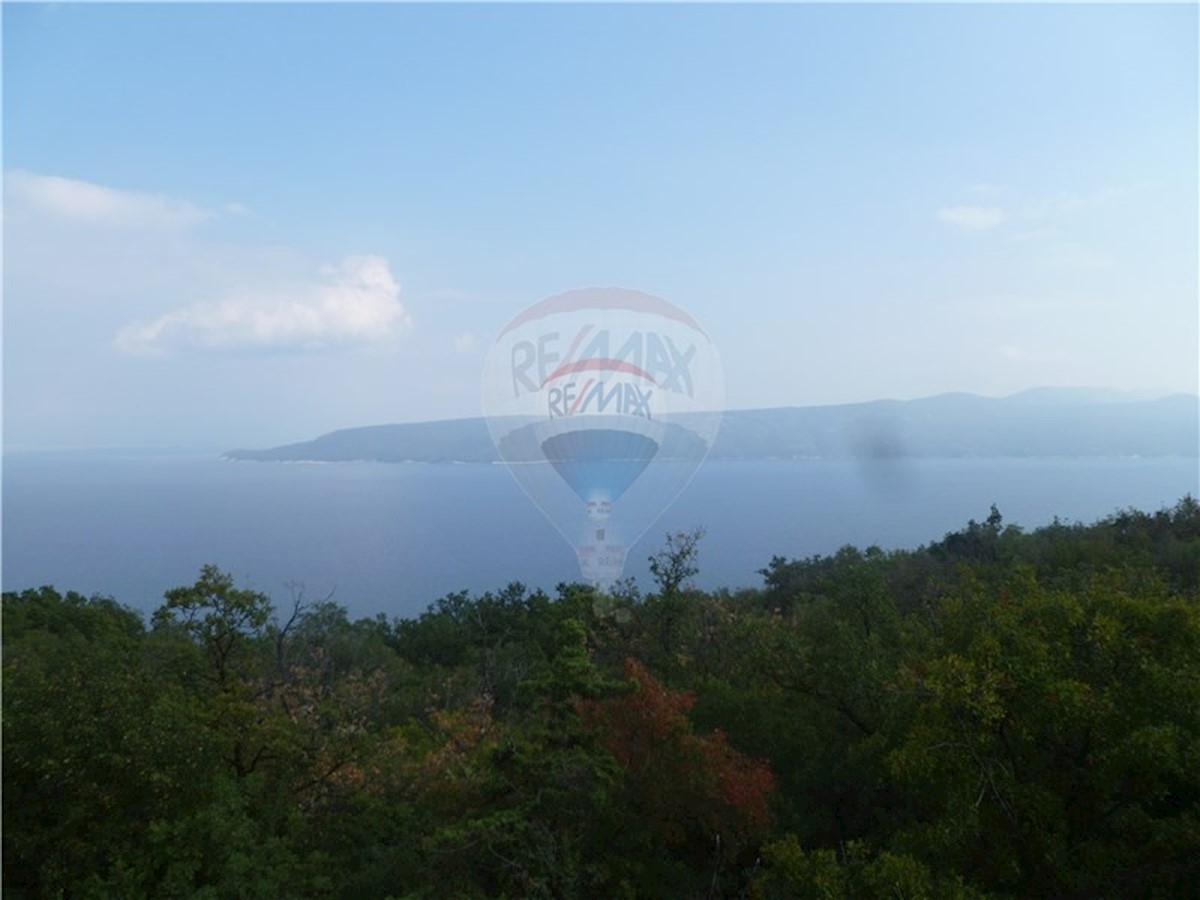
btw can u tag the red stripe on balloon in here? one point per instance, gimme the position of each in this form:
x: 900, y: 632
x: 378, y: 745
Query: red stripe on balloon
x: 579, y: 399
x: 611, y: 365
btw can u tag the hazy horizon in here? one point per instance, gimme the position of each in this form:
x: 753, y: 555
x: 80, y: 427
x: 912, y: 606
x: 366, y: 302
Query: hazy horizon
x: 248, y: 225
x: 1109, y: 395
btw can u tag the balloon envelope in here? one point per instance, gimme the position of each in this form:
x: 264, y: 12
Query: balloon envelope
x: 603, y: 403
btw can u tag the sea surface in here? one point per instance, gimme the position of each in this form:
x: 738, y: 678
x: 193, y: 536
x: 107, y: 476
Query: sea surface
x: 392, y: 538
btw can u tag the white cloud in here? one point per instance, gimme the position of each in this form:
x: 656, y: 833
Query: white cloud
x: 1050, y: 208
x: 972, y: 218
x: 83, y: 202
x: 466, y: 342
x: 358, y: 303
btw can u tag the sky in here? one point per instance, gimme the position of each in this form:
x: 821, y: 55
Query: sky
x: 242, y: 225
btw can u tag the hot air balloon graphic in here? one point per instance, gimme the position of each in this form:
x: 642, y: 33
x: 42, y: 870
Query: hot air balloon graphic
x: 603, y: 402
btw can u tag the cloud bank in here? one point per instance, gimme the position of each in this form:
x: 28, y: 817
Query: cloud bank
x: 81, y: 201
x: 357, y: 303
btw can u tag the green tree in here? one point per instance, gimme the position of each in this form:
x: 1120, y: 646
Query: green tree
x: 1054, y: 750
x: 96, y: 746
x: 525, y: 806
x: 672, y: 566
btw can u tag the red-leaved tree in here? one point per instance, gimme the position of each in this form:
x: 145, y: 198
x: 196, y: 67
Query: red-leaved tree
x: 694, y: 792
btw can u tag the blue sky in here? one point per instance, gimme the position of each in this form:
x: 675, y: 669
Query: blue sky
x: 237, y: 225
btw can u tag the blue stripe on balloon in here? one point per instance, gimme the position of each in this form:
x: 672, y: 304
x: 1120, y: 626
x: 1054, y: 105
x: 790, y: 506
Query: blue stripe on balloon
x: 599, y: 462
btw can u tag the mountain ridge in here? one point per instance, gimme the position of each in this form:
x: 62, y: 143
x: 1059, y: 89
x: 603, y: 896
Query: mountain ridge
x: 1038, y: 422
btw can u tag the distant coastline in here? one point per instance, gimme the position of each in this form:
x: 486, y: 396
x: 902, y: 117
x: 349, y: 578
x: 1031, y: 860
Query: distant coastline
x: 1044, y: 422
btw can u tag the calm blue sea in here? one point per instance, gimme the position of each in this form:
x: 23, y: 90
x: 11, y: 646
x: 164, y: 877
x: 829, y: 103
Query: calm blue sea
x: 394, y: 537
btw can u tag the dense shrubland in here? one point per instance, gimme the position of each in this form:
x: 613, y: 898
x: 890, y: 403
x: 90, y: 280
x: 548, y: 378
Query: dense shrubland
x: 999, y: 713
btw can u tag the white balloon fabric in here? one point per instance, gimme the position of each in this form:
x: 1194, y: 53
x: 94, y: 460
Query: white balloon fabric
x: 603, y: 402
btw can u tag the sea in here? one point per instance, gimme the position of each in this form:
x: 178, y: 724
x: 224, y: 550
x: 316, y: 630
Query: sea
x: 392, y: 538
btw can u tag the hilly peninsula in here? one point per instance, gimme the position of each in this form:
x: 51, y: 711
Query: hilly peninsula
x: 1080, y: 422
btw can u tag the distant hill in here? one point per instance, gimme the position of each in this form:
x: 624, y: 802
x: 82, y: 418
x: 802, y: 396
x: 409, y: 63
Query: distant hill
x: 1039, y: 422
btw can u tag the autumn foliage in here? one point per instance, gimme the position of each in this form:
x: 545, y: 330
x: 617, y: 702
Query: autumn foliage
x: 689, y: 787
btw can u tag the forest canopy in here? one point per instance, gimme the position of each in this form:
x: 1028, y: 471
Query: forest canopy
x: 1000, y: 713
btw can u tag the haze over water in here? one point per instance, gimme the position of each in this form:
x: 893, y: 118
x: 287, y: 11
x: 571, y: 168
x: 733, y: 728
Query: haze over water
x: 391, y: 538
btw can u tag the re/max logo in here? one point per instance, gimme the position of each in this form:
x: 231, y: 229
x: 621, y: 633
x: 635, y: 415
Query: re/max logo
x: 646, y: 354
x: 620, y: 398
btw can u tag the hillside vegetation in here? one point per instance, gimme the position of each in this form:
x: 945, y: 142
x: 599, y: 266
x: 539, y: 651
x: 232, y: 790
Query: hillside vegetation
x: 997, y: 714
